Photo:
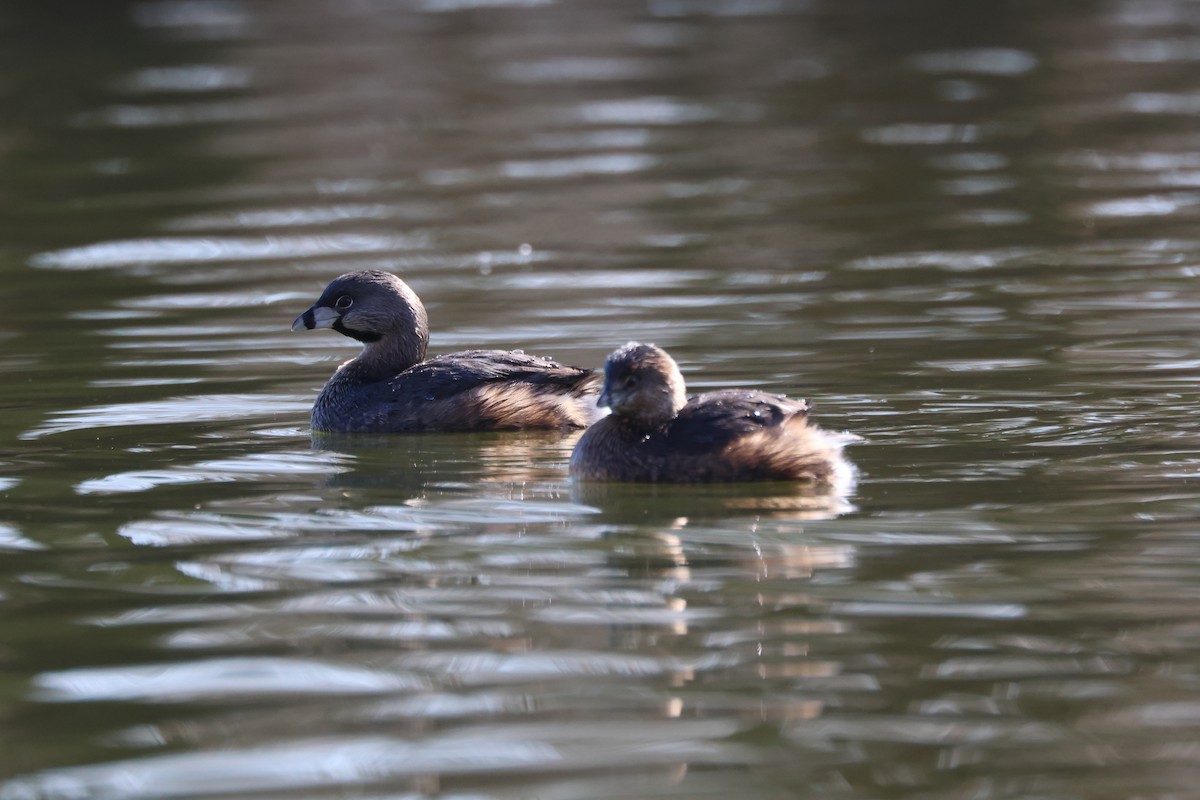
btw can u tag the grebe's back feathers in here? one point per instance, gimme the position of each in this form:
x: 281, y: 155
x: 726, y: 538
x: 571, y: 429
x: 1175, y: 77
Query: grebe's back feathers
x: 721, y: 417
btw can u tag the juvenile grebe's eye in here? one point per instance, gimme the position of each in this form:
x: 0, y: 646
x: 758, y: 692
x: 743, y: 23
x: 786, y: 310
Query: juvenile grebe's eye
x: 343, y: 302
x: 630, y: 381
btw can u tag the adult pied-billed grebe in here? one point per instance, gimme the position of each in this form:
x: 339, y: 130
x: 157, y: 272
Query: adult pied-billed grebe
x: 656, y: 435
x: 389, y: 388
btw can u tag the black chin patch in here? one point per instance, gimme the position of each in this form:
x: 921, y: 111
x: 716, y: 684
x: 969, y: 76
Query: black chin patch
x: 366, y: 337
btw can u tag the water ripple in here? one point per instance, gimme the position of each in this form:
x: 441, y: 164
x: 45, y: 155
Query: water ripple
x: 447, y: 6
x: 310, y: 764
x: 249, y: 468
x: 645, y: 111
x: 180, y: 115
x: 188, y: 78
x: 473, y: 669
x: 980, y: 61
x: 284, y: 217
x: 918, y: 133
x: 135, y: 252
x: 926, y: 730
x: 216, y: 678
x: 171, y: 528
x: 952, y: 261
x: 12, y: 539
x: 949, y: 609
x: 175, y: 410
x: 603, y: 164
x: 560, y: 70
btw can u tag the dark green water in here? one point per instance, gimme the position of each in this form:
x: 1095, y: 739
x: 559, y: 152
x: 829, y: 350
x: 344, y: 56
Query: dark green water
x: 966, y: 232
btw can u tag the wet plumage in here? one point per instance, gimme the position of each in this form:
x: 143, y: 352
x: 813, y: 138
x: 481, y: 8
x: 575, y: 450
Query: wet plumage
x: 390, y: 387
x: 656, y: 435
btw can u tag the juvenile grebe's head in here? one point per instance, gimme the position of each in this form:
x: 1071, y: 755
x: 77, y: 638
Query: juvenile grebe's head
x: 642, y: 382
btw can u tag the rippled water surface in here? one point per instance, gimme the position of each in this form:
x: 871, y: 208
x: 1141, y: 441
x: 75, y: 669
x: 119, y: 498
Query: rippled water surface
x: 966, y: 232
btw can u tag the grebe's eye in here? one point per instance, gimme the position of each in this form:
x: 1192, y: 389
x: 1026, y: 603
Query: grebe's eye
x: 343, y: 302
x: 630, y: 381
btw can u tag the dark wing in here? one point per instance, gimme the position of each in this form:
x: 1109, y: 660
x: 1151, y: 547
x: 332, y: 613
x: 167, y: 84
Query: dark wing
x: 712, y: 420
x: 449, y: 374
x: 485, y: 366
x: 489, y: 390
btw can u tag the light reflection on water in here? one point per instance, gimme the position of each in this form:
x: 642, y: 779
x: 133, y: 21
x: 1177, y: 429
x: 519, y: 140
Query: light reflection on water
x: 978, y: 254
x: 186, y: 251
x: 189, y: 410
